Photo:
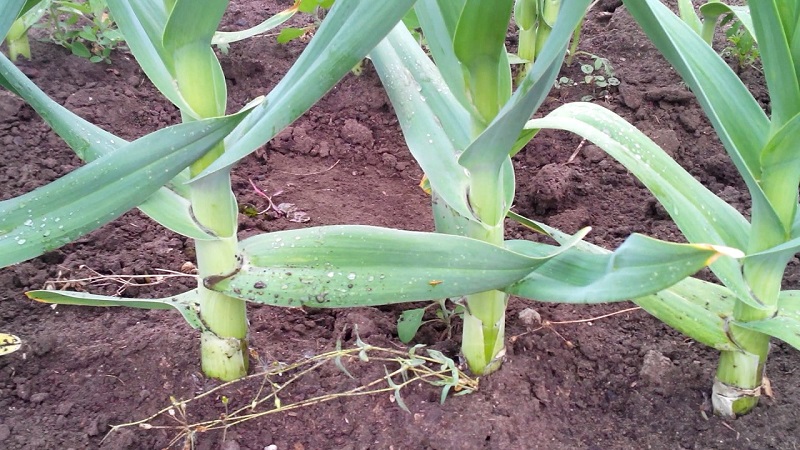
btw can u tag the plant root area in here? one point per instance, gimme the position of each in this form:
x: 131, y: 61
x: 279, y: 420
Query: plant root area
x: 624, y: 381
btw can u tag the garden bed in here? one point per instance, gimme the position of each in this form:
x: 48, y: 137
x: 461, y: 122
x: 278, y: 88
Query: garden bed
x: 622, y: 381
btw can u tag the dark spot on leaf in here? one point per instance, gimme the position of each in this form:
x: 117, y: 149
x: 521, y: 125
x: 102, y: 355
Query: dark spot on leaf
x: 259, y: 285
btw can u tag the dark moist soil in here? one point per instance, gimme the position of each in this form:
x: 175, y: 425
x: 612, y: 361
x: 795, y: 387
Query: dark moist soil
x: 621, y: 382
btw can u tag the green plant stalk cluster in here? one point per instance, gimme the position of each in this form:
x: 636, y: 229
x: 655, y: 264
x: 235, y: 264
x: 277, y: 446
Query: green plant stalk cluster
x: 535, y: 19
x: 462, y: 122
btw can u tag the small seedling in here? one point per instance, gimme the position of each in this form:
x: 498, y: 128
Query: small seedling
x: 743, y: 48
x: 85, y: 28
x: 600, y: 75
x: 411, y: 320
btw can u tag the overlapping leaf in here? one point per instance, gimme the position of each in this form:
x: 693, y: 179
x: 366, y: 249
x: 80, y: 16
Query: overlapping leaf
x: 345, y: 266
x: 696, y: 308
x: 91, y: 142
x: 741, y: 124
x: 102, y: 190
x: 434, y: 123
x: 702, y: 216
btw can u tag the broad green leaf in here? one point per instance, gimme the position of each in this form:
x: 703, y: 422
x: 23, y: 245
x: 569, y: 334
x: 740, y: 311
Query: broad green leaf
x: 435, y: 125
x: 192, y: 21
x: 187, y: 303
x: 486, y: 154
x: 228, y: 37
x: 9, y: 344
x: 702, y: 216
x: 101, y: 191
x: 696, y: 308
x: 640, y: 266
x: 90, y: 142
x: 345, y: 266
x: 333, y: 51
x: 408, y: 324
x: 9, y: 10
x: 738, y: 119
x: 289, y: 33
x: 776, y: 58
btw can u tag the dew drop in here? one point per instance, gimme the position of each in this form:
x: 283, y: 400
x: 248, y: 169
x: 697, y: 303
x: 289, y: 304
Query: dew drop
x: 351, y: 276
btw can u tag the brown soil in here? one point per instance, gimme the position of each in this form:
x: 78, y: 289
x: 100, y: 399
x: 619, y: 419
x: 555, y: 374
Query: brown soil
x: 622, y: 382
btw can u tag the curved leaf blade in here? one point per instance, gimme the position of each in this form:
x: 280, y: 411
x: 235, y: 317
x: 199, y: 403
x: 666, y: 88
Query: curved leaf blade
x: 346, y: 266
x: 696, y: 308
x: 187, y: 303
x: 229, y: 37
x: 701, y: 216
x: 639, y: 267
x: 90, y: 142
x: 101, y: 191
x: 738, y: 119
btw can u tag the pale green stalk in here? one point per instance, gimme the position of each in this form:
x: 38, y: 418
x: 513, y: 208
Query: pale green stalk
x: 525, y: 15
x: 548, y: 17
x: 223, y: 348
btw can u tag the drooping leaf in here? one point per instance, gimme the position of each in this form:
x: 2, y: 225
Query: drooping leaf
x: 640, y: 266
x: 738, y: 119
x: 228, y: 37
x: 345, y: 266
x: 90, y: 142
x: 696, y: 308
x: 101, y: 191
x: 702, y: 216
x: 712, y: 11
x: 187, y: 303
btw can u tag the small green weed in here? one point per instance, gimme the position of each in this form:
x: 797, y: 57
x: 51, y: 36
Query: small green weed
x: 85, y: 28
